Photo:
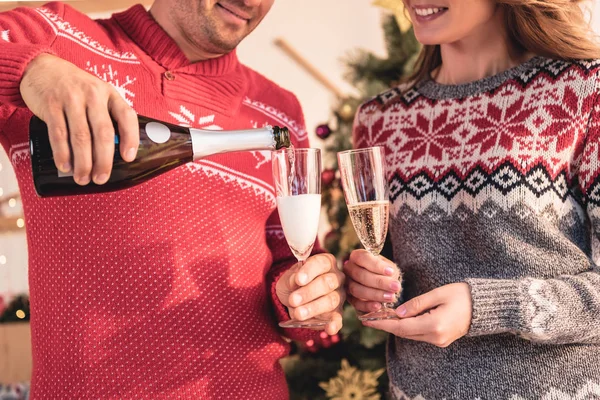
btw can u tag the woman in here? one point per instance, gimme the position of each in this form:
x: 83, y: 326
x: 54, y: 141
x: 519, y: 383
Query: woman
x: 493, y: 159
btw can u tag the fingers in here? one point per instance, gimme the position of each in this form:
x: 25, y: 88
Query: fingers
x: 428, y: 328
x: 316, y: 265
x: 299, y: 276
x: 319, y: 287
x: 127, y: 122
x: 420, y: 304
x: 367, y: 278
x: 376, y: 264
x: 103, y: 134
x: 77, y: 107
x: 410, y: 328
x: 322, y: 305
x: 335, y: 324
x: 59, y: 139
x: 362, y: 305
x: 366, y: 293
x: 80, y: 139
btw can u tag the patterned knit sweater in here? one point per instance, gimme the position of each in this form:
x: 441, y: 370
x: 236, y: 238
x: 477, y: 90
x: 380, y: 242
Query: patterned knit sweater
x: 164, y: 290
x: 497, y: 183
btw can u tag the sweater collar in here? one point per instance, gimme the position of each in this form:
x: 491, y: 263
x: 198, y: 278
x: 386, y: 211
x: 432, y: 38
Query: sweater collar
x: 438, y: 91
x: 141, y: 27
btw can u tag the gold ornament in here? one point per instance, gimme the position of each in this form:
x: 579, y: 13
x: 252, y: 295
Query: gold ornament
x: 397, y: 8
x: 12, y: 222
x: 353, y: 384
x: 346, y: 112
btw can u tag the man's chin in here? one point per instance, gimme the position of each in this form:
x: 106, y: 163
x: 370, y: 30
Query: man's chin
x: 226, y: 45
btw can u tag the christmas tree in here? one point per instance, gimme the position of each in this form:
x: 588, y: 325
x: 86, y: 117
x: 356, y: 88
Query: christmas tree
x: 351, y: 365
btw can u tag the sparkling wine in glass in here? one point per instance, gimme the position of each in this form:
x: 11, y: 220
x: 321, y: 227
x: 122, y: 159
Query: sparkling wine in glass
x: 297, y: 178
x: 367, y: 198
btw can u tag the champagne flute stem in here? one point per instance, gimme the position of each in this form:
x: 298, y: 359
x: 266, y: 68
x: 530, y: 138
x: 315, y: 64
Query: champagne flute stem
x: 300, y: 264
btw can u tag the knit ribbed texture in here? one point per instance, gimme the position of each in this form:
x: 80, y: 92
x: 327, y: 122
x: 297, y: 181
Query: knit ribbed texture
x: 164, y: 290
x: 496, y: 183
x: 219, y: 95
x: 498, y: 303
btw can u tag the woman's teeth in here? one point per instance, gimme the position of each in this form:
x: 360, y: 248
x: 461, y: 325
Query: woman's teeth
x: 424, y: 12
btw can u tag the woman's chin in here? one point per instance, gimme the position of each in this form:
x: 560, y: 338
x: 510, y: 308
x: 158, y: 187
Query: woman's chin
x: 429, y: 38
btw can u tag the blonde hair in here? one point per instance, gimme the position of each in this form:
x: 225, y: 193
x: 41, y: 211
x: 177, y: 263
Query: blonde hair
x: 552, y: 28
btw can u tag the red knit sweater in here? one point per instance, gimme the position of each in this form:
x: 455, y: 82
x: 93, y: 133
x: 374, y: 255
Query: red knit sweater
x: 165, y: 290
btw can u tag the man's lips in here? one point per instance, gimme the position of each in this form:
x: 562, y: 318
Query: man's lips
x: 236, y: 12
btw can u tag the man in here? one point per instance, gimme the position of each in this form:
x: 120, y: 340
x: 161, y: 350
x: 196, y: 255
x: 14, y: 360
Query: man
x: 167, y: 290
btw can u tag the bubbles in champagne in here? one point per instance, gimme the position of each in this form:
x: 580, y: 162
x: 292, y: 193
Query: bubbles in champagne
x: 291, y: 154
x: 370, y: 220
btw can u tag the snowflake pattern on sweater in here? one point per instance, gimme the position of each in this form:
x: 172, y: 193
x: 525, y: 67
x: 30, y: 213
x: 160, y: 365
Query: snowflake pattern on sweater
x: 496, y: 183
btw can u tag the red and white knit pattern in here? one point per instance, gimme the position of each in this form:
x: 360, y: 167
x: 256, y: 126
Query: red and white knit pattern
x: 451, y: 152
x: 497, y: 184
x: 165, y: 290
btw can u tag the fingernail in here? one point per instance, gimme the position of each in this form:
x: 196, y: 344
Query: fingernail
x: 388, y: 271
x: 302, y: 278
x: 295, y: 299
x: 395, y: 286
x: 84, y: 180
x: 389, y: 296
x: 100, y: 179
x: 66, y: 167
x: 401, y: 311
x: 131, y: 153
x: 376, y: 306
x: 303, y: 312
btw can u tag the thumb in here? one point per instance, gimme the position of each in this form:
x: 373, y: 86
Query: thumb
x: 285, y: 286
x: 291, y: 282
x: 419, y: 305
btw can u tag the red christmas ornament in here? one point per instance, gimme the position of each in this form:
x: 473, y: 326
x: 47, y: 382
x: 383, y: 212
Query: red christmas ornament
x: 323, y: 131
x: 310, y: 346
x: 327, y: 177
x: 326, y: 341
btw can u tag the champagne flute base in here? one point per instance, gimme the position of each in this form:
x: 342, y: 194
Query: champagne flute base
x: 384, y: 313
x: 309, y: 323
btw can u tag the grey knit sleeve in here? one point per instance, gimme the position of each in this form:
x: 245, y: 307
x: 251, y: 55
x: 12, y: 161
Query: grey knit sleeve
x: 562, y: 310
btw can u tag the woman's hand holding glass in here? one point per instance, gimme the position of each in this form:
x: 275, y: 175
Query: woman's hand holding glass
x: 371, y: 281
x: 439, y: 317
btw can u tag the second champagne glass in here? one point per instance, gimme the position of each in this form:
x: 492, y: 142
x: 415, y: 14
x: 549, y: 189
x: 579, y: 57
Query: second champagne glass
x: 365, y: 189
x: 297, y: 178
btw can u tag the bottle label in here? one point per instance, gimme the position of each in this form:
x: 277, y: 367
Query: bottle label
x: 157, y: 132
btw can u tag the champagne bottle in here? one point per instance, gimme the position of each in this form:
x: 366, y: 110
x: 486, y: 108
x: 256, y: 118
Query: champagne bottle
x: 163, y: 146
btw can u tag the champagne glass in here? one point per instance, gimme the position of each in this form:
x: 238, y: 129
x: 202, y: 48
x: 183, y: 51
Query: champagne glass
x: 297, y: 178
x: 365, y: 189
